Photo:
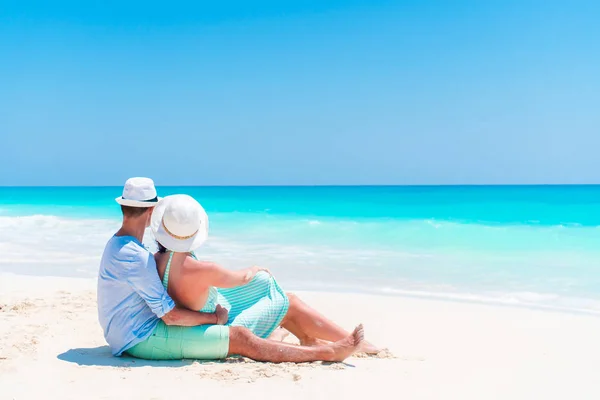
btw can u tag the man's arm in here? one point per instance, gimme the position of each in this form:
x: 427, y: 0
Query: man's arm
x: 183, y: 317
x: 142, y: 276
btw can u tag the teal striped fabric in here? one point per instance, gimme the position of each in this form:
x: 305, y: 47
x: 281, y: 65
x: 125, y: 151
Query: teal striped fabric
x: 259, y: 305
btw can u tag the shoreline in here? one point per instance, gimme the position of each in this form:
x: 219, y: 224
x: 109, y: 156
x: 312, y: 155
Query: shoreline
x: 457, y: 298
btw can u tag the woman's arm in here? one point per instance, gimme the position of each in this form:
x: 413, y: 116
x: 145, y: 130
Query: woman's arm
x: 215, y: 275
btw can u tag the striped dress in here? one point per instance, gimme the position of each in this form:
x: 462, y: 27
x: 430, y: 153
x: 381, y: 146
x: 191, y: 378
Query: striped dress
x: 260, y: 305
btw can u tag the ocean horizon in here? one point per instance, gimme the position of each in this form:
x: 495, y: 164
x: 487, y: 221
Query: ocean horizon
x: 522, y: 245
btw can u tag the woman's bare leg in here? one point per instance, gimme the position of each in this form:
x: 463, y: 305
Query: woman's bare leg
x: 243, y: 342
x: 312, y: 327
x: 279, y: 334
x: 308, y: 322
x: 304, y: 339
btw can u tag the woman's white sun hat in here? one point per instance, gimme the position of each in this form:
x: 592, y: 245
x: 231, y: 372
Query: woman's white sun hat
x: 138, y: 192
x: 180, y: 223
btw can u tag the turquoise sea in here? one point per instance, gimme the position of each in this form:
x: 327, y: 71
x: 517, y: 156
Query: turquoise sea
x: 535, y: 246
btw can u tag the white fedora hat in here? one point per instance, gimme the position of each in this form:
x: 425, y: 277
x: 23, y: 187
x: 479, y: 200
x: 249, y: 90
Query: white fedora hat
x: 138, y: 192
x: 180, y: 223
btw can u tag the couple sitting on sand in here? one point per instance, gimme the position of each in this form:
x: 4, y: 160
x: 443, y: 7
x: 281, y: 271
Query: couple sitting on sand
x: 171, y: 305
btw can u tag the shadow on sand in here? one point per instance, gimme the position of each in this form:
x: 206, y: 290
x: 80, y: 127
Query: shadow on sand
x: 102, y: 357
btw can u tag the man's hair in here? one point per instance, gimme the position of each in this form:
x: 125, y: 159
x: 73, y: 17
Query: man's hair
x: 133, y: 212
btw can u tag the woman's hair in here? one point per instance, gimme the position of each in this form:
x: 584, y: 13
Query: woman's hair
x: 161, y: 248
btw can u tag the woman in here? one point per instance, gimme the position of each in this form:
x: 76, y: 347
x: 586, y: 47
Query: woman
x: 249, y: 298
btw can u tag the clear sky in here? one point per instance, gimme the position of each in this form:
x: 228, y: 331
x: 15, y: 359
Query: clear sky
x: 299, y: 92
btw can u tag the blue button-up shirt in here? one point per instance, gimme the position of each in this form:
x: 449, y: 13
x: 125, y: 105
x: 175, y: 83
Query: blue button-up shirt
x: 131, y: 297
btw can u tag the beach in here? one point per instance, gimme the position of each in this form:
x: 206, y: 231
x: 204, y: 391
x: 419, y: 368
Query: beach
x: 51, y: 346
x: 477, y: 293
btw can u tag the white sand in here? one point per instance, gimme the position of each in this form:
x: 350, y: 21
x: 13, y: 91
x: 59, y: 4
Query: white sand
x: 51, y: 346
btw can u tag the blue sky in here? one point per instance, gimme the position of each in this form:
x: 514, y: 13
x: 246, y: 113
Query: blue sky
x: 311, y: 92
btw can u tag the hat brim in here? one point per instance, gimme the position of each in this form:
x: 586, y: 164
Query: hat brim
x: 171, y: 243
x: 137, y: 203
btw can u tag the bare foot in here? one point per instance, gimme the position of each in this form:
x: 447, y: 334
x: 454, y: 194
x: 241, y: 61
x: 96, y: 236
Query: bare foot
x: 279, y: 334
x: 344, y: 348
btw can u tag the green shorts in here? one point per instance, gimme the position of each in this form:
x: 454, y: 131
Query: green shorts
x: 205, y: 342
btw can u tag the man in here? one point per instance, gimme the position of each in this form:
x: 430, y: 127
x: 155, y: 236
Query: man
x: 139, y: 318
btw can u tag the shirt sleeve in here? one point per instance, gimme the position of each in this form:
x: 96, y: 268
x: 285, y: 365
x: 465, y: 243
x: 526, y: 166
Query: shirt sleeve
x: 143, y: 278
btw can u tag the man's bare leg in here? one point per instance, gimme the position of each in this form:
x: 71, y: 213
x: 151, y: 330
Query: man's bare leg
x: 243, y: 342
x: 311, y: 327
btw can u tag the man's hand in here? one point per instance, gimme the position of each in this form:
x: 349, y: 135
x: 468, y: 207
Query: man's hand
x: 222, y: 315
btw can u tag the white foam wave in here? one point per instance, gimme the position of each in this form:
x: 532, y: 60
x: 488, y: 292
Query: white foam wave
x: 52, y: 245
